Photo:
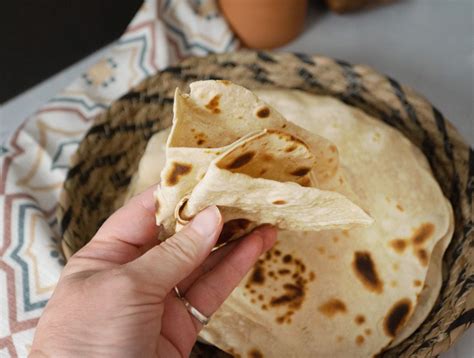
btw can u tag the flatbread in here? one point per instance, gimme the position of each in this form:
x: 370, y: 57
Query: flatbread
x: 338, y: 292
x: 279, y: 191
x: 151, y: 164
x: 432, y: 285
x: 255, y: 165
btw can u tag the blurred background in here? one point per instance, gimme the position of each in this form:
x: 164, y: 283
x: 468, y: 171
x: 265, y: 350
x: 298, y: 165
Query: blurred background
x: 40, y: 38
x: 427, y: 44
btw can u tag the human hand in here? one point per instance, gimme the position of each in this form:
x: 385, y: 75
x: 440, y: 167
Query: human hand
x: 115, y: 296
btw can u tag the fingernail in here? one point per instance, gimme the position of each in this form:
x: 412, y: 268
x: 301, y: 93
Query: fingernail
x: 206, y: 222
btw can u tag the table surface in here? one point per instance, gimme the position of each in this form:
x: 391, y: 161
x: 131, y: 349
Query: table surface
x: 426, y: 44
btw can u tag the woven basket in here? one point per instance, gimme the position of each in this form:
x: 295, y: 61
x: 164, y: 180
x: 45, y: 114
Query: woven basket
x: 109, y: 154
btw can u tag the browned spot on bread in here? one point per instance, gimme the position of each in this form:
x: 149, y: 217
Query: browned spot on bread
x: 285, y: 317
x: 305, y: 182
x: 284, y: 271
x: 368, y: 331
x: 157, y: 207
x: 393, y: 283
x: 290, y: 148
x: 267, y: 157
x: 339, y: 339
x: 417, y: 283
x: 420, y: 236
x: 312, y: 276
x: 283, y: 126
x: 264, y: 307
x: 399, y: 245
x: 287, y: 137
x: 291, y: 279
x: 263, y: 112
x: 332, y: 307
x: 200, y: 138
x: 397, y: 317
x: 359, y: 319
x: 396, y: 266
x: 224, y: 82
x: 260, y: 297
x: 332, y: 148
x: 299, y: 172
x: 321, y: 250
x: 341, y: 181
x: 232, y: 229
x: 423, y: 233
x: 177, y: 171
x: 213, y: 104
x: 279, y: 202
x: 345, y: 232
x: 258, y: 276
x: 422, y: 256
x: 366, y: 272
x: 399, y: 207
x: 360, y: 340
x: 255, y: 353
x: 335, y: 239
x: 241, y: 160
x: 301, y: 265
x: 293, y: 295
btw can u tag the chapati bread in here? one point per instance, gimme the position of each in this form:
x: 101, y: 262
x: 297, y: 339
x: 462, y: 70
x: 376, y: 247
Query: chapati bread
x: 432, y: 285
x: 151, y: 164
x: 337, y: 292
x: 228, y: 148
x: 278, y: 192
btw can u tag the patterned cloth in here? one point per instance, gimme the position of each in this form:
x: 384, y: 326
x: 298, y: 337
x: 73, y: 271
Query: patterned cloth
x: 34, y: 161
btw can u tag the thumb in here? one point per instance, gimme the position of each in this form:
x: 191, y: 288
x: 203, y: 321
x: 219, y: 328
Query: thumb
x: 167, y: 264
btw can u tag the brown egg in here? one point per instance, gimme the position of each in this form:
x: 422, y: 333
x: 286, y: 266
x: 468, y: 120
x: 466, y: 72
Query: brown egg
x: 265, y: 24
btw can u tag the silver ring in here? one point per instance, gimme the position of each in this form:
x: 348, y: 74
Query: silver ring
x: 191, y: 309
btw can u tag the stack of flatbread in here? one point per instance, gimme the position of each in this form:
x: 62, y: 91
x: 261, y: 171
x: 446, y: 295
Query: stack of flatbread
x: 363, y: 224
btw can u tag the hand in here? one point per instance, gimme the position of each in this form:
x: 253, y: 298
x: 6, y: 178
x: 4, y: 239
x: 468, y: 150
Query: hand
x: 115, y: 296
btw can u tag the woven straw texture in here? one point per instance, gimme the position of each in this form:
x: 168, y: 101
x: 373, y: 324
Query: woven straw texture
x: 109, y: 154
